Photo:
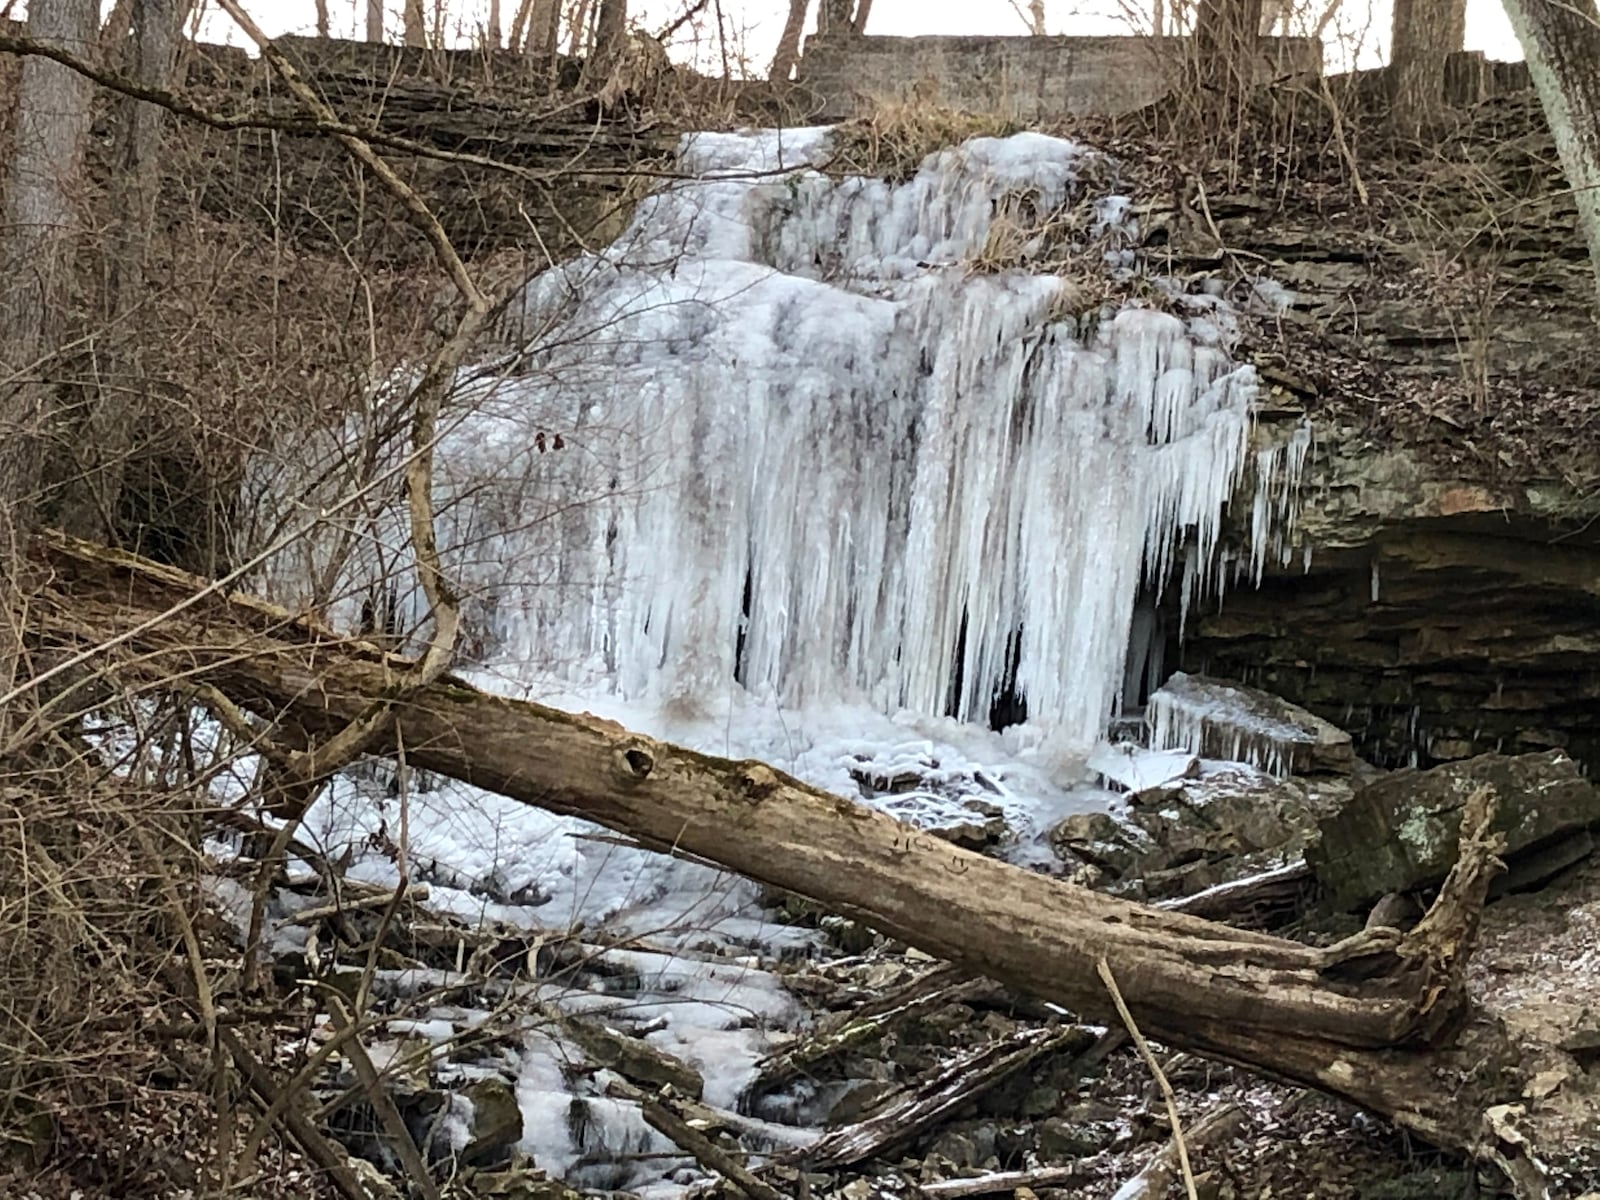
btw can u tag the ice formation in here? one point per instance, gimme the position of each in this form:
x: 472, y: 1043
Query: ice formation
x: 841, y: 440
x: 1279, y: 467
x: 1203, y: 716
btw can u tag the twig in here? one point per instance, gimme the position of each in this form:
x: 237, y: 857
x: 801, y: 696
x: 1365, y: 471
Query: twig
x: 382, y: 1102
x: 310, y: 916
x: 969, y: 1075
x: 1007, y: 1181
x: 277, y: 1107
x: 1145, y: 1053
x: 1152, y: 1182
x: 426, y: 399
x: 694, y: 1143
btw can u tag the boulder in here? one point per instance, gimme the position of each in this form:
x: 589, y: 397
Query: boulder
x: 1216, y: 719
x: 496, y: 1124
x: 1400, y: 832
x: 1225, y: 822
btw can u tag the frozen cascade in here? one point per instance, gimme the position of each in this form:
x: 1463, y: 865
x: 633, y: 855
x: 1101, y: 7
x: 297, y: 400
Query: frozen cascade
x: 798, y: 433
x: 1279, y: 468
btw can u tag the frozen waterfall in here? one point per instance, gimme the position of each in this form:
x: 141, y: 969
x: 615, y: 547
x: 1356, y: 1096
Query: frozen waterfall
x: 832, y: 438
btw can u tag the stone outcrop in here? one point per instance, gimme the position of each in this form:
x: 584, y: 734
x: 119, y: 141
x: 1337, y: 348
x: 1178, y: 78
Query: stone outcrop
x: 1432, y: 612
x: 1400, y: 832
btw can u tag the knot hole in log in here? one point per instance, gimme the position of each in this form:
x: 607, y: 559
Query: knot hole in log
x: 758, y: 781
x: 638, y: 762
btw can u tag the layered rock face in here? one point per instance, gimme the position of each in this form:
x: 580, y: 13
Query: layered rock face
x: 1432, y: 615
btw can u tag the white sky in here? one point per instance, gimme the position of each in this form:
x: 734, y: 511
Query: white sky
x: 752, y: 25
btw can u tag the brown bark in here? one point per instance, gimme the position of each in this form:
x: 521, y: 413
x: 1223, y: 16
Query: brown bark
x: 579, y: 41
x: 42, y: 181
x: 1329, y: 1018
x: 1226, y: 37
x: 610, y: 33
x: 116, y: 403
x: 788, y: 52
x: 1425, y: 34
x: 415, y: 29
x: 324, y: 22
x: 858, y: 23
x: 1561, y: 41
x: 543, y: 27
x: 492, y: 26
x: 374, y: 14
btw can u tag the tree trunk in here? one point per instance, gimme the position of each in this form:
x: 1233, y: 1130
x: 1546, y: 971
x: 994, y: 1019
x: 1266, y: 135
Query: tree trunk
x: 116, y: 399
x: 1360, y: 1020
x: 42, y: 184
x: 788, y: 52
x: 492, y: 26
x: 858, y: 23
x: 834, y: 16
x: 580, y: 42
x: 1226, y: 40
x: 1561, y: 41
x: 543, y: 27
x: 324, y: 22
x: 1425, y: 34
x: 415, y: 29
x: 374, y: 20
x: 610, y: 32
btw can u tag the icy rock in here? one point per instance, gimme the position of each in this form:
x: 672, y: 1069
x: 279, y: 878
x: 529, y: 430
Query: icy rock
x: 634, y: 1058
x: 1231, y: 721
x: 1402, y: 831
x: 1226, y: 823
x: 1134, y: 768
x: 496, y: 1123
x: 1100, y: 841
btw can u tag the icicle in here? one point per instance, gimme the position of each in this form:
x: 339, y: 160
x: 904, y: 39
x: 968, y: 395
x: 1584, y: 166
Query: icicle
x: 1276, y: 507
x: 1203, y: 716
x: 783, y: 435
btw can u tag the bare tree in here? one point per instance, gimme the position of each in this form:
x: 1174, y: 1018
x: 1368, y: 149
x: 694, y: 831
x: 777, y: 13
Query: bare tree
x: 416, y: 24
x: 1425, y: 33
x: 1225, y: 47
x: 374, y: 20
x: 1561, y: 40
x: 323, y: 22
x: 1032, y: 16
x: 610, y: 31
x: 578, y: 40
x: 42, y: 188
x: 543, y: 23
x: 788, y: 52
x: 114, y: 404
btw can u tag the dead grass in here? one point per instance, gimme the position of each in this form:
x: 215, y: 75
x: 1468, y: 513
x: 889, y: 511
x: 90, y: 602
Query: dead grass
x: 100, y: 874
x: 892, y: 141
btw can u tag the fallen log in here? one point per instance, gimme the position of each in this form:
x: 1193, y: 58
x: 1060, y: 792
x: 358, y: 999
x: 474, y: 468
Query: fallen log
x: 1363, y: 1020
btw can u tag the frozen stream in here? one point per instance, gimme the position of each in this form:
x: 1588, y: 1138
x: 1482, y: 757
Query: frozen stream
x: 785, y: 474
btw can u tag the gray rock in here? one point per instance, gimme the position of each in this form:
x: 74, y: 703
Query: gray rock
x: 1400, y: 832
x: 1219, y: 719
x: 496, y: 1123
